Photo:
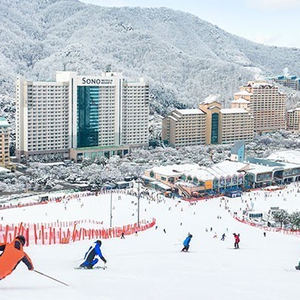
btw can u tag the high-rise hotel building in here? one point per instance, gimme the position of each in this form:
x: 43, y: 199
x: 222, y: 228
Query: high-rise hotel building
x: 81, y: 116
x: 267, y: 105
x: 4, y: 142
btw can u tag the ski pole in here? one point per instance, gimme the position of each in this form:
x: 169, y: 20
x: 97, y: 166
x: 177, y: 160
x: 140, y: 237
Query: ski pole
x: 50, y: 277
x: 78, y: 260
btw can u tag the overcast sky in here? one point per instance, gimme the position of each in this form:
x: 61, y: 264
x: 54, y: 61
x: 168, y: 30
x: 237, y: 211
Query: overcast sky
x: 271, y: 22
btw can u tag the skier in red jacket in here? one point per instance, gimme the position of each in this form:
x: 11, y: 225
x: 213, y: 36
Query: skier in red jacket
x: 12, y: 254
x: 236, y: 240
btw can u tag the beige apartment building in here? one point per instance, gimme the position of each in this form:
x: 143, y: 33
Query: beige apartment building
x: 184, y: 127
x: 236, y: 124
x: 267, y: 105
x: 210, y: 124
x: 4, y: 143
x: 293, y: 117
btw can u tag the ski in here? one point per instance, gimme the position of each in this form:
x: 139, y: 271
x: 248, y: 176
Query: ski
x: 97, y: 267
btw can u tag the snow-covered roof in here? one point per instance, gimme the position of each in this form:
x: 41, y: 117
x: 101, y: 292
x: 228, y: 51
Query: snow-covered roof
x: 294, y: 109
x: 160, y: 184
x: 233, y: 111
x: 258, y: 84
x: 190, y: 111
x: 286, y: 156
x: 171, y: 117
x: 269, y: 165
x: 174, y: 170
x: 243, y: 93
x: 210, y: 99
x: 240, y: 100
x: 227, y: 167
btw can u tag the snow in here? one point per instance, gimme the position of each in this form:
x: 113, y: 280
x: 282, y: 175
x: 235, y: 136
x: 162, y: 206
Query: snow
x: 233, y: 111
x: 190, y: 111
x: 240, y: 100
x: 150, y: 265
x: 291, y: 156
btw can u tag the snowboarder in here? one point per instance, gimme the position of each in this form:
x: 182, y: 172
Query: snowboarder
x: 236, y: 240
x: 89, y: 256
x: 186, y: 243
x: 12, y: 254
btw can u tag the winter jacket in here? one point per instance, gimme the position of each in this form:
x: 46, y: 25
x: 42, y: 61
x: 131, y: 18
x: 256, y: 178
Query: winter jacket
x: 11, y: 256
x: 237, y: 238
x: 92, y: 252
x: 186, y: 242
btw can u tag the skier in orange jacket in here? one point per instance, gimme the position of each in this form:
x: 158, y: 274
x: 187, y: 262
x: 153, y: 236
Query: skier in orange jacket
x: 12, y: 254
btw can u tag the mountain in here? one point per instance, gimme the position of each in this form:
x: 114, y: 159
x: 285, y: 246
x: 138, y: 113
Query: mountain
x: 184, y: 58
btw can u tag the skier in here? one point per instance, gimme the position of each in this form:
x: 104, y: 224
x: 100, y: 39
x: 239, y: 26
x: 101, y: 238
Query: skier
x: 186, y: 243
x: 89, y: 256
x: 12, y: 254
x: 223, y: 237
x: 298, y: 266
x: 236, y: 240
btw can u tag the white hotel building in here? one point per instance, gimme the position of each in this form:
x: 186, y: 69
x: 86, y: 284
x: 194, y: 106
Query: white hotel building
x: 81, y: 116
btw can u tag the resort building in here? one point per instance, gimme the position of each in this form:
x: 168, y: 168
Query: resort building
x: 4, y: 142
x: 227, y: 177
x: 209, y: 124
x: 80, y: 117
x: 184, y: 127
x: 293, y: 120
x: 292, y: 82
x: 267, y: 105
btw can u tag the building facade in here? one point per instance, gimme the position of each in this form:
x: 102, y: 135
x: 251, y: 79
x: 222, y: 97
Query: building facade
x: 292, y: 82
x: 236, y: 124
x: 267, y: 105
x: 209, y: 124
x: 81, y: 116
x: 4, y: 143
x: 293, y: 119
x: 184, y: 127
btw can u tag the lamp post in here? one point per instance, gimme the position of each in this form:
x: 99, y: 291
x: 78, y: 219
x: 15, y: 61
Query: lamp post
x: 110, y: 222
x: 138, y: 203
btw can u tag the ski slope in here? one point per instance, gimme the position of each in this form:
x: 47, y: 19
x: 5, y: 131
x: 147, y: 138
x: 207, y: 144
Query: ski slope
x: 150, y: 265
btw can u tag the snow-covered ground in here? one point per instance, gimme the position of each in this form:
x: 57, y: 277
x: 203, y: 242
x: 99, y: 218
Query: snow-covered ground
x: 150, y: 265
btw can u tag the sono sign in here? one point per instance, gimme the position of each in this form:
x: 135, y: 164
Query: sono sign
x: 94, y: 81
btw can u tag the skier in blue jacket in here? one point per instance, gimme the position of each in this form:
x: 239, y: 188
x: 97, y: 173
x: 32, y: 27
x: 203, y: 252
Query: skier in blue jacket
x: 89, y: 257
x: 186, y: 243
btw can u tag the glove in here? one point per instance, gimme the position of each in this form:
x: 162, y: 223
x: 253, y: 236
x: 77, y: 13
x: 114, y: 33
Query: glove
x: 31, y: 269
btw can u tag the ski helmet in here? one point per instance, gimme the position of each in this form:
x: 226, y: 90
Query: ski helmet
x: 22, y: 239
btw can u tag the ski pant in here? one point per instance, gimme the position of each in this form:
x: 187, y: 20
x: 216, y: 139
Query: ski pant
x: 89, y: 264
x: 185, y: 248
